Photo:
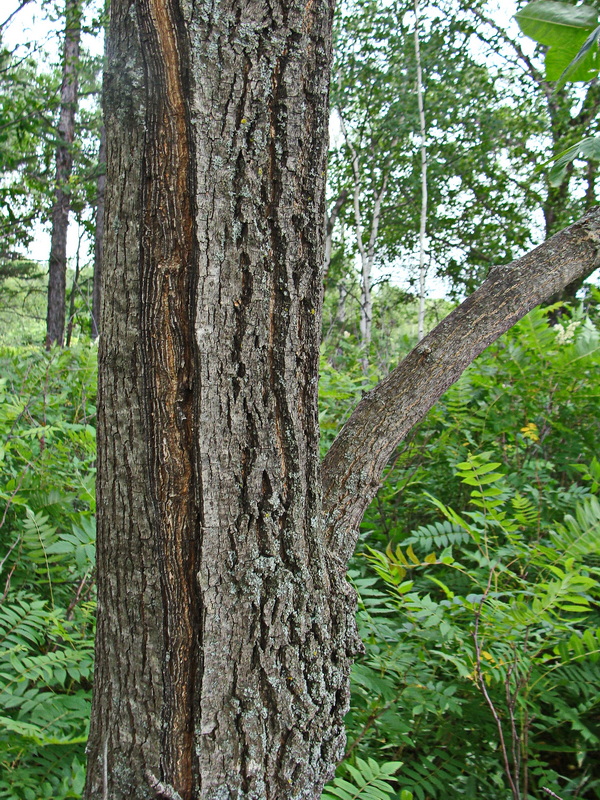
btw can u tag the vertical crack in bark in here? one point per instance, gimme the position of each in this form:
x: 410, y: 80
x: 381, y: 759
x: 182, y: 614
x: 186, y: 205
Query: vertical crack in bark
x: 168, y: 286
x: 280, y: 311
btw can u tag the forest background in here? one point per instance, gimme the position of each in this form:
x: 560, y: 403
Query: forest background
x: 477, y: 568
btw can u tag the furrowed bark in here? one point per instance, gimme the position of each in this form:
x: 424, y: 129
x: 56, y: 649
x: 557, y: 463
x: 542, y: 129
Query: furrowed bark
x: 168, y: 360
x: 99, y: 230
x: 55, y: 320
x: 353, y: 466
x: 225, y: 629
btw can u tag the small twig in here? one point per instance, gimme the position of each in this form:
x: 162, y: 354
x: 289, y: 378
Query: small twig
x: 105, y: 769
x: 8, y: 505
x: 75, y: 600
x: 16, y: 11
x: 162, y: 789
x: 368, y: 724
x: 511, y: 702
x: 10, y: 549
x: 481, y: 682
x: 551, y: 793
x: 7, y: 583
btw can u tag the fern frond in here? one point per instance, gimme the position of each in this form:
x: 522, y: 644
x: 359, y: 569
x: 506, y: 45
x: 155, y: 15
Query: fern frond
x: 23, y: 623
x: 526, y: 512
x: 579, y: 536
x: 439, y: 534
x: 370, y: 781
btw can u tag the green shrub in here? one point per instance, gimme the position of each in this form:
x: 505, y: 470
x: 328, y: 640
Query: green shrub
x: 47, y: 533
x: 478, y: 575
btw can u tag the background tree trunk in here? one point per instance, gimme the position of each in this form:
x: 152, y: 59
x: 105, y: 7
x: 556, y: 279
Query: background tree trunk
x: 225, y: 632
x: 366, y: 251
x: 423, y: 149
x: 99, y: 235
x: 55, y: 321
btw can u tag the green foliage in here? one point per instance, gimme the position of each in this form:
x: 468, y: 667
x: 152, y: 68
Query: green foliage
x: 571, y: 36
x: 29, y: 112
x: 338, y: 391
x: 504, y: 635
x: 477, y: 138
x: 25, y: 101
x: 588, y: 148
x: 532, y: 398
x: 47, y: 452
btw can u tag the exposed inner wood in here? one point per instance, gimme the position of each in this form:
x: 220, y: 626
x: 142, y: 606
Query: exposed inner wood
x: 168, y: 298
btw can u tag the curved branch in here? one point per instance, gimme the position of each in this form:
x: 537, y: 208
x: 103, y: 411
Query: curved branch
x: 20, y: 7
x: 530, y: 67
x: 353, y: 466
x: 330, y: 220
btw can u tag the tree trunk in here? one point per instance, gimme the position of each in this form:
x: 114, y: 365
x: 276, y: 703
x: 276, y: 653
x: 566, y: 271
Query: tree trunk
x: 225, y: 630
x: 423, y: 148
x: 225, y: 626
x: 74, y: 289
x: 55, y: 320
x: 99, y: 235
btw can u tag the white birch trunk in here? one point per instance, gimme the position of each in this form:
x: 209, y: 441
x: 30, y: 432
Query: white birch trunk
x: 366, y: 253
x: 423, y: 222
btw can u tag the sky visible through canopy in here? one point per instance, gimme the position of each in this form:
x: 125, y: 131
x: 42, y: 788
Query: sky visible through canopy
x: 38, y: 29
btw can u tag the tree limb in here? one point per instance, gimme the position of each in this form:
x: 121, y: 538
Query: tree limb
x: 530, y: 67
x: 14, y: 13
x: 353, y: 466
x: 335, y: 210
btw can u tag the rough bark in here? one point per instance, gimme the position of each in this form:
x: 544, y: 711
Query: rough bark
x: 358, y: 456
x: 55, y: 320
x: 225, y: 630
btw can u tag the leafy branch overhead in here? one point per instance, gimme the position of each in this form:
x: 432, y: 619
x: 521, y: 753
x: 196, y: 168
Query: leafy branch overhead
x: 571, y: 35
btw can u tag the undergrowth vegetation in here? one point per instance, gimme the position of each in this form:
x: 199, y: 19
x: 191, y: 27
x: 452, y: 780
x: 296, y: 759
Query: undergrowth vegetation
x: 477, y: 577
x: 47, y: 532
x: 476, y: 573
